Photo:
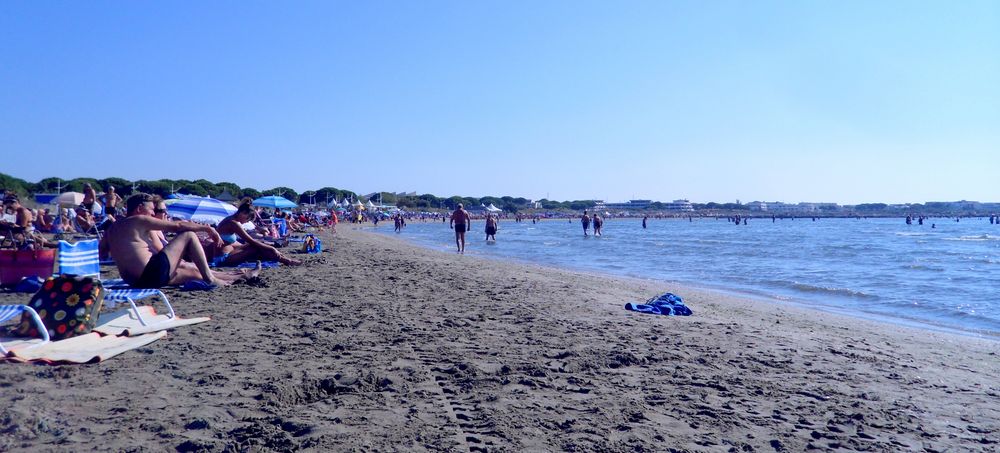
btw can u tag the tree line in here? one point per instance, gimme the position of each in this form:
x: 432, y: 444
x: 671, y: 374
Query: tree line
x: 202, y: 187
x: 164, y: 187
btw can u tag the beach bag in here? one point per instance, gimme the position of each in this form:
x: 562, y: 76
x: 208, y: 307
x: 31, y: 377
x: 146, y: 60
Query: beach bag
x: 68, y: 305
x: 312, y: 244
x: 17, y: 264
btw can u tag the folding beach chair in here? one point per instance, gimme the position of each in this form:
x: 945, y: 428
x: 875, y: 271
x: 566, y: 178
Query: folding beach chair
x: 93, y: 231
x: 8, y: 312
x: 82, y: 259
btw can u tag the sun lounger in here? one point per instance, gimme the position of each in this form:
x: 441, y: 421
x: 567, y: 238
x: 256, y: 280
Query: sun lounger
x: 82, y: 259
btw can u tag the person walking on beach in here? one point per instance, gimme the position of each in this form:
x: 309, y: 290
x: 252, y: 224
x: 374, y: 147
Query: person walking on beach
x: 585, y: 220
x: 491, y: 227
x: 461, y: 222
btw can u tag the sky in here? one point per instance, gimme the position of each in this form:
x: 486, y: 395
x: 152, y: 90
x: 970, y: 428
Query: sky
x: 823, y: 101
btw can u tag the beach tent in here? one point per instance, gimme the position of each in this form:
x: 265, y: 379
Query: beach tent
x: 492, y: 208
x: 225, y: 196
x: 274, y: 201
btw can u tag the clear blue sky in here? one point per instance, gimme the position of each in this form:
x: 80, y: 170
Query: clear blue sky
x: 842, y: 101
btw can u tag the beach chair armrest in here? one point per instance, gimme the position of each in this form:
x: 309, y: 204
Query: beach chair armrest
x: 130, y: 295
x: 9, y: 311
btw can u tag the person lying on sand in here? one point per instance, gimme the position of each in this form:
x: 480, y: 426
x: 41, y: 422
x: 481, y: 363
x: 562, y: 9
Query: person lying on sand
x: 231, y: 231
x: 128, y: 241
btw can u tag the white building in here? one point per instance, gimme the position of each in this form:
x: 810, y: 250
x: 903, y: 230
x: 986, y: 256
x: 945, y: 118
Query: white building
x: 679, y: 205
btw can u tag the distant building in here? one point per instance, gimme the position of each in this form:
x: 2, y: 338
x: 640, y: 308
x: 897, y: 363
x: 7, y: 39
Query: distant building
x: 778, y: 207
x: 757, y: 206
x: 629, y: 205
x: 679, y: 205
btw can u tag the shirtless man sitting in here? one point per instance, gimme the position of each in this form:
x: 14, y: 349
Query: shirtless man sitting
x: 128, y: 241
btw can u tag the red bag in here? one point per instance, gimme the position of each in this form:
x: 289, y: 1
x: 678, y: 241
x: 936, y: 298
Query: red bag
x: 17, y: 264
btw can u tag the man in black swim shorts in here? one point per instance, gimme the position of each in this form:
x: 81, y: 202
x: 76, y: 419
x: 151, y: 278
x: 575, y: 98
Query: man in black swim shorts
x: 461, y: 221
x: 127, y: 241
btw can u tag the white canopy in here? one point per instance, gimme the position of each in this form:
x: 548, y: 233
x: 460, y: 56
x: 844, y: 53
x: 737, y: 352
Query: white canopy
x: 492, y: 208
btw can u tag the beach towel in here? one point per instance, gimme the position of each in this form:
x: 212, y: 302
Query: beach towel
x: 666, y: 304
x: 126, y: 323
x: 90, y: 348
x: 197, y: 285
x: 253, y: 264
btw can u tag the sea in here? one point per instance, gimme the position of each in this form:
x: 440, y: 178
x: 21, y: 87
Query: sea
x: 942, y: 275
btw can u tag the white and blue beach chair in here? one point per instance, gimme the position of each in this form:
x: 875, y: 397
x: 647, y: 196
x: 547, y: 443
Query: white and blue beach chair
x: 8, y: 312
x: 82, y: 259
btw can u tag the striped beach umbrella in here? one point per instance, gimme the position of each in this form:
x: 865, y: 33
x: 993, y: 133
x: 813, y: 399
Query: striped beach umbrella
x: 202, y: 210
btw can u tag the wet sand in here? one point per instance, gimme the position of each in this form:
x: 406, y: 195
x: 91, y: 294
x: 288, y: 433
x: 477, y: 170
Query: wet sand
x: 379, y: 345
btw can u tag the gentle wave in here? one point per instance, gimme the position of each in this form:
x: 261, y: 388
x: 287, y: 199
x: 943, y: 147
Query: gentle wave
x: 979, y: 238
x: 807, y: 288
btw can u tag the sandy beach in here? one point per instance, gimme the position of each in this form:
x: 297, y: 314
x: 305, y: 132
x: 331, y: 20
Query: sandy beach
x: 378, y: 345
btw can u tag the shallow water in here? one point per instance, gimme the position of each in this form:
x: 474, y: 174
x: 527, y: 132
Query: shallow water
x: 946, y: 277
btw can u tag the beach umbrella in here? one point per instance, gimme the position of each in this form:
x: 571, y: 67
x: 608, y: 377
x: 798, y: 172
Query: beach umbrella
x: 69, y: 198
x: 203, y: 210
x: 274, y: 201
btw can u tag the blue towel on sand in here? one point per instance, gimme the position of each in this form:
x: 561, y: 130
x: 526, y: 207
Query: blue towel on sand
x: 668, y: 304
x: 197, y: 285
x: 253, y: 264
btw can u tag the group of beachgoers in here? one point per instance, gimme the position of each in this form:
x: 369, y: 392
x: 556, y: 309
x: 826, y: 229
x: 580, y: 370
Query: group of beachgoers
x: 139, y: 245
x: 151, y: 250
x: 596, y: 219
x: 29, y: 224
x: 461, y: 221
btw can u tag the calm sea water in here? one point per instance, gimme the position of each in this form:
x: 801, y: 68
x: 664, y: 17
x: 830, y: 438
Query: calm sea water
x: 947, y: 277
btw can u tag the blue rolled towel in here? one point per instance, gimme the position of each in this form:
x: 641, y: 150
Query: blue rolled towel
x: 667, y: 304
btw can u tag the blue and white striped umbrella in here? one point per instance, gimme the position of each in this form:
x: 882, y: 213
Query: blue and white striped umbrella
x: 202, y: 210
x: 274, y: 201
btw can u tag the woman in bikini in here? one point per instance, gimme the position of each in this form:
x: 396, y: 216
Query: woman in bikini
x: 232, y: 232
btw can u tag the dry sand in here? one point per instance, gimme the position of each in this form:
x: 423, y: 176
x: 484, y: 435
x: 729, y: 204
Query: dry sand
x: 380, y: 346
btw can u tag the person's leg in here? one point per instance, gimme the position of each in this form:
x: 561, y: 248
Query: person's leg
x: 272, y: 254
x: 186, y: 246
x: 458, y: 244
x: 463, y: 242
